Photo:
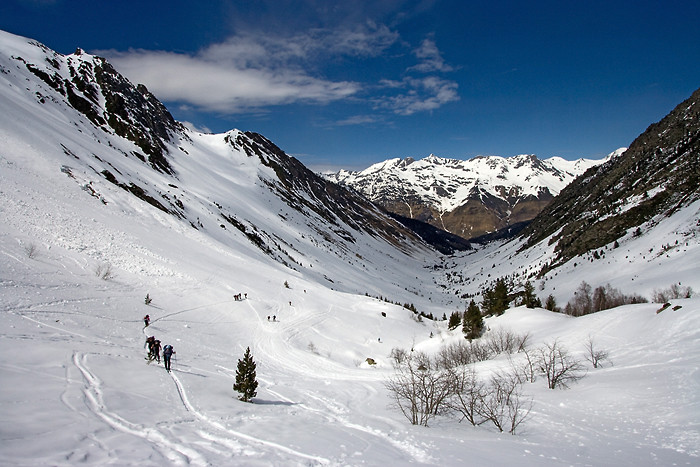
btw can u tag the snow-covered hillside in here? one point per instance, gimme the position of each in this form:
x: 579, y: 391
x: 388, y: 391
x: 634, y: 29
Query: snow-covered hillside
x: 79, y: 253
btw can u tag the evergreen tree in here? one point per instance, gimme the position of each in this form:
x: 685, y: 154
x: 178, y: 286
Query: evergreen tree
x: 530, y: 300
x: 246, y: 383
x: 495, y: 301
x: 454, y: 320
x: 551, y: 304
x: 472, y: 323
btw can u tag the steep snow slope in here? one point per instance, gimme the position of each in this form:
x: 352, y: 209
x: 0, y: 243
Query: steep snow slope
x: 227, y: 186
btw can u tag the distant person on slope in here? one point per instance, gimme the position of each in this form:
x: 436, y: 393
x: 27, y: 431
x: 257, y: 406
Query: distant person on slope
x: 156, y: 350
x: 167, y: 353
x: 149, y: 343
x: 146, y: 320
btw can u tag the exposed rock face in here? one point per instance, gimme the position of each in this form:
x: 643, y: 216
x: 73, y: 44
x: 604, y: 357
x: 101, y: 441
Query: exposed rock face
x: 93, y: 87
x: 467, y: 198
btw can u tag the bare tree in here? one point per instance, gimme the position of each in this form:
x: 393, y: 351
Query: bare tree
x: 104, y: 271
x: 594, y: 355
x: 559, y: 367
x: 31, y: 250
x: 503, y: 403
x: 398, y: 355
x: 467, y: 394
x: 505, y: 341
x: 525, y: 371
x: 419, y: 388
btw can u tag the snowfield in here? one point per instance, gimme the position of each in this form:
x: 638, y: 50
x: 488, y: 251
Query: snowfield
x: 79, y: 254
x: 77, y: 390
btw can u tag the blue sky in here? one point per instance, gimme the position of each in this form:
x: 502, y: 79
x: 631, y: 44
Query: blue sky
x: 346, y: 84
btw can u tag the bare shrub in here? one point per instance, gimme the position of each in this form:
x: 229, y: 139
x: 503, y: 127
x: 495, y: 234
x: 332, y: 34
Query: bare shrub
x: 480, y: 351
x: 31, y: 250
x: 419, y: 388
x: 504, y: 341
x: 467, y: 394
x: 398, y: 355
x: 559, y: 367
x: 675, y: 291
x: 503, y: 403
x: 312, y: 348
x: 104, y: 271
x: 526, y: 370
x: 595, y: 356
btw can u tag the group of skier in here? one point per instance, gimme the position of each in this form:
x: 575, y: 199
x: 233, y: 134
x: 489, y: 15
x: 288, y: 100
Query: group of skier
x: 153, y: 345
x: 239, y: 297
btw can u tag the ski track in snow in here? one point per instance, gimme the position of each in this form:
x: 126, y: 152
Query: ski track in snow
x: 174, y: 452
x: 190, y: 408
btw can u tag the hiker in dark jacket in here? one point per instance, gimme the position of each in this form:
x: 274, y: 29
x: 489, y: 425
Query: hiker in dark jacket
x: 149, y: 344
x: 167, y: 353
x: 156, y: 350
x: 146, y: 320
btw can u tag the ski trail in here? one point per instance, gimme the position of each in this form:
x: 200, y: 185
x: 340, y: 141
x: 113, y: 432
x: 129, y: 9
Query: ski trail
x: 188, y: 309
x: 337, y: 414
x: 238, y: 434
x: 274, y: 342
x: 174, y: 452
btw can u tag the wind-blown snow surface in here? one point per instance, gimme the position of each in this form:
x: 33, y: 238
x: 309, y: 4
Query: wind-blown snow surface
x: 75, y: 388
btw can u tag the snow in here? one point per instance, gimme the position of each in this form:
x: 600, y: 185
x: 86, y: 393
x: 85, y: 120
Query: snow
x: 76, y: 388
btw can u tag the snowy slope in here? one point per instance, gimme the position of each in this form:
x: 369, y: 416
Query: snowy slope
x: 77, y: 390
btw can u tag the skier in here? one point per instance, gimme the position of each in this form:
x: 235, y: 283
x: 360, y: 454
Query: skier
x: 149, y: 343
x: 167, y: 353
x: 146, y: 320
x: 156, y: 350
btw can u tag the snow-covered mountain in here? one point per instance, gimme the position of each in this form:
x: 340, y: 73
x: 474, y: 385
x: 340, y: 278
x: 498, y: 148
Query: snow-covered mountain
x: 76, y: 116
x: 467, y: 197
x: 104, y: 198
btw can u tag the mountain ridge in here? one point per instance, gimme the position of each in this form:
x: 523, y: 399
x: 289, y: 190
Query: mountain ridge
x: 470, y: 197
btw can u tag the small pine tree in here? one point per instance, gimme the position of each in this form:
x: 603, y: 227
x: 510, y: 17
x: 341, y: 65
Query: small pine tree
x: 472, y: 323
x: 246, y: 383
x: 551, y: 304
x: 495, y: 301
x: 530, y: 300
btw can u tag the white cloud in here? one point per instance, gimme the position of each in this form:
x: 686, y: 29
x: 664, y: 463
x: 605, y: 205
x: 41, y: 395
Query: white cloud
x: 358, y: 120
x: 424, y: 94
x: 225, y: 85
x: 431, y: 59
x: 252, y: 71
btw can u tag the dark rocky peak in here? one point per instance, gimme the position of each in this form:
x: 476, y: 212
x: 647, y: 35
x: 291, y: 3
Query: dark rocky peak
x: 90, y: 85
x: 134, y: 113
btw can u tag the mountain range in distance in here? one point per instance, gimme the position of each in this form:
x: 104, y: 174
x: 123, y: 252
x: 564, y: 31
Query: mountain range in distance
x: 468, y: 198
